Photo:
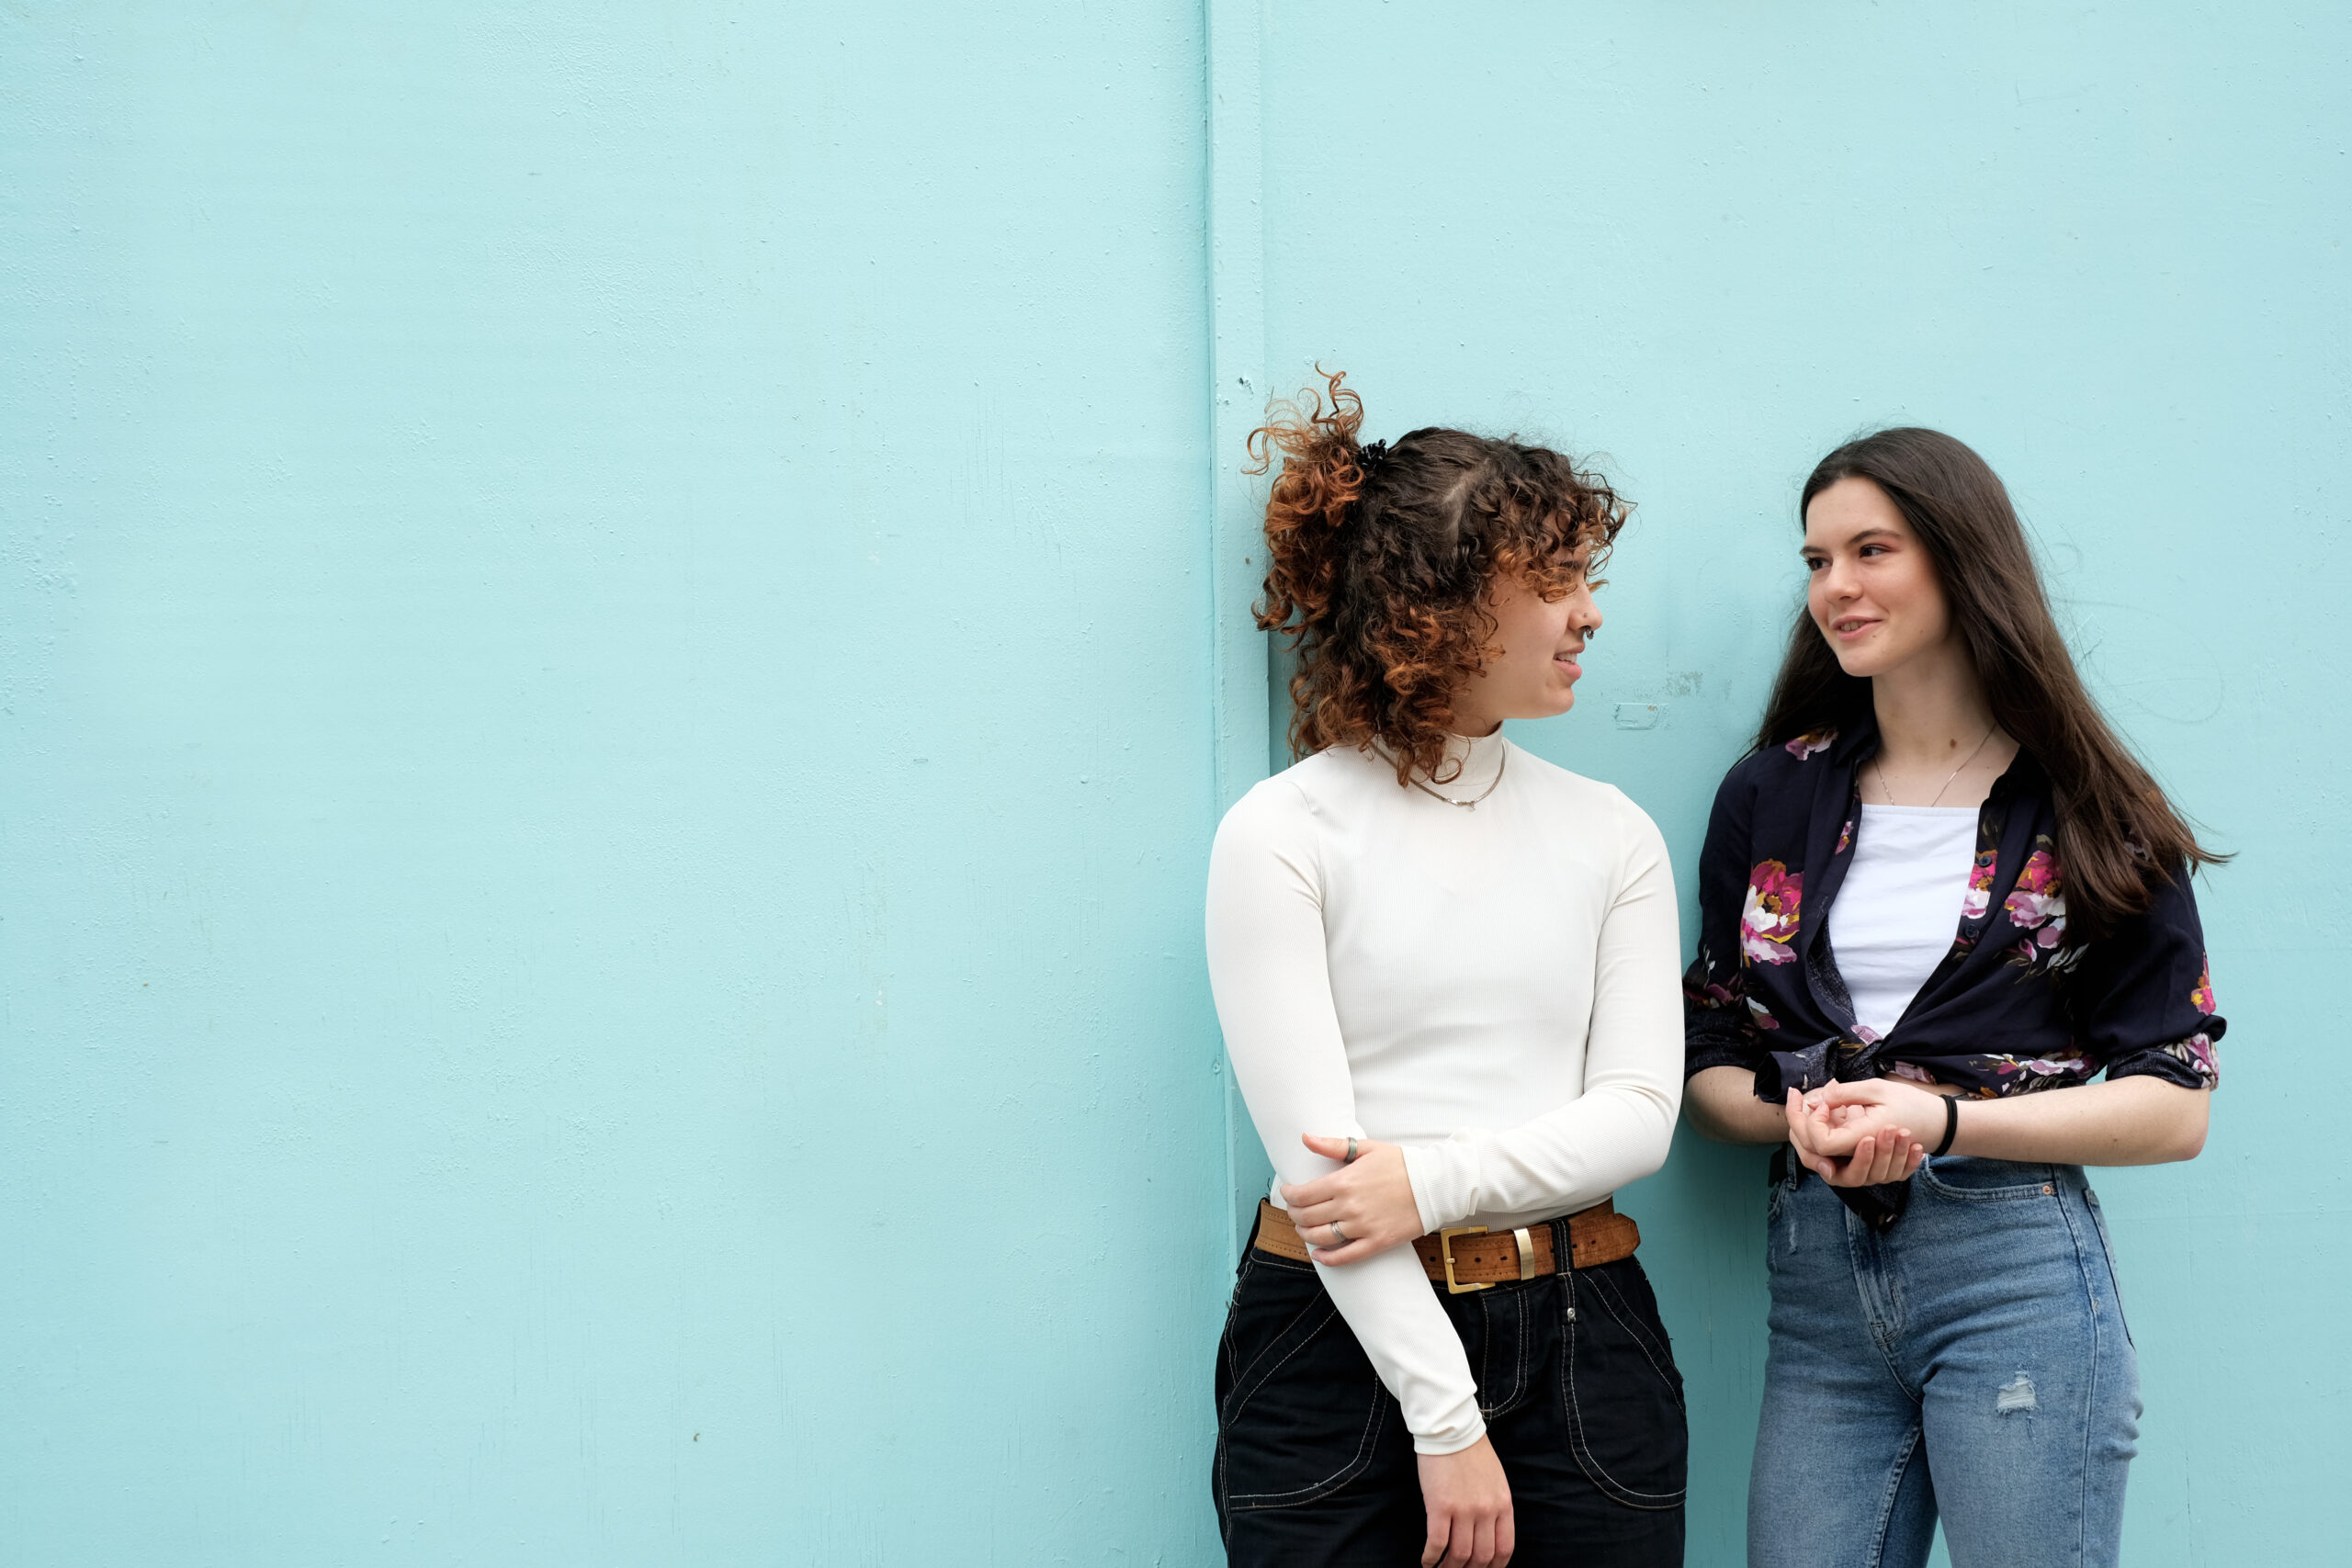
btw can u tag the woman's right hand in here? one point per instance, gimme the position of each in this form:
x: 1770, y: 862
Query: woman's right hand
x: 1469, y: 1507
x: 1886, y: 1154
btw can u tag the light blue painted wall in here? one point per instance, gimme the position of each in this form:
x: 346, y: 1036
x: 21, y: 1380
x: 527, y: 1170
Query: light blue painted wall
x: 2108, y: 247
x: 605, y: 748
x: 621, y: 632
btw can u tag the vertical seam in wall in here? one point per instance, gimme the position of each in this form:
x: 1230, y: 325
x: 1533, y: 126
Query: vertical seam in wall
x: 1233, y: 38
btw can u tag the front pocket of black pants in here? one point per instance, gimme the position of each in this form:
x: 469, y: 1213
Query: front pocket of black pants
x: 1622, y: 1392
x: 1303, y: 1416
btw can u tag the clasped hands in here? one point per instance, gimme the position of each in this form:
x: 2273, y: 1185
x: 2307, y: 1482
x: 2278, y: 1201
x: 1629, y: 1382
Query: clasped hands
x: 1850, y: 1134
x: 1858, y: 1135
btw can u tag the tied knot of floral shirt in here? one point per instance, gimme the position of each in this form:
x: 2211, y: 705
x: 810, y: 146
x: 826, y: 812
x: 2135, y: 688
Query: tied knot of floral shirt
x: 2014, y: 1006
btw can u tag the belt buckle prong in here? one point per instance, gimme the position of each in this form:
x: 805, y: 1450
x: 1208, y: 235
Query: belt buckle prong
x: 1445, y: 1250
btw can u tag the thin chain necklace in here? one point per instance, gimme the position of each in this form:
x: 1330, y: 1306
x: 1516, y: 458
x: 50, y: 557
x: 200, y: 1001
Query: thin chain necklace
x: 1470, y: 804
x: 1888, y: 790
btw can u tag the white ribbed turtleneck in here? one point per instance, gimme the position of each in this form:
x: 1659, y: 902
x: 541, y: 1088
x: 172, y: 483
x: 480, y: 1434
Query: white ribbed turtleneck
x: 1495, y: 989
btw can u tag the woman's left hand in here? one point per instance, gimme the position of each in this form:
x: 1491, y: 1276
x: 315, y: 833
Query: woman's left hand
x: 1846, y: 1147
x: 1370, y: 1201
x: 1845, y: 1113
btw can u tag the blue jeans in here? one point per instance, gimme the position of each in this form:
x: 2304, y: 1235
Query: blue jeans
x: 1973, y: 1362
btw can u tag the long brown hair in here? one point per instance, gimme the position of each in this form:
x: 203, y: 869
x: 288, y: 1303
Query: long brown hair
x: 1380, y: 559
x: 2116, y: 830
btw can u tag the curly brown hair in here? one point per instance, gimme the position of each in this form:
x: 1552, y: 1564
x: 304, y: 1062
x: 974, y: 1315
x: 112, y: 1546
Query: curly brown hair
x: 1381, y: 578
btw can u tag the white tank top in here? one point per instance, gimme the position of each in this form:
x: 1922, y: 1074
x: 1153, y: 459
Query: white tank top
x: 1898, y: 909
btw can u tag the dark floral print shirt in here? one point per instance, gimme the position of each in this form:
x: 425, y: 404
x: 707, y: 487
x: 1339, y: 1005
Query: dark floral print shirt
x: 2014, y: 1006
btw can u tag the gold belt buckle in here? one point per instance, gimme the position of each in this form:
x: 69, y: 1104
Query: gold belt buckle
x: 1445, y: 1250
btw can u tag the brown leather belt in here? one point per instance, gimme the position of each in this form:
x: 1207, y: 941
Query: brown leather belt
x: 1471, y: 1257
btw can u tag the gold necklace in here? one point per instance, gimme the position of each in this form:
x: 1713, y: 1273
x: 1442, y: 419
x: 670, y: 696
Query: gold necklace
x: 1888, y: 789
x: 1469, y: 805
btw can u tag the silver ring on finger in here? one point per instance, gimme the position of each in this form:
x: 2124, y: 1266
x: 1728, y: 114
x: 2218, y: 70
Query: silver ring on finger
x: 1338, y: 1232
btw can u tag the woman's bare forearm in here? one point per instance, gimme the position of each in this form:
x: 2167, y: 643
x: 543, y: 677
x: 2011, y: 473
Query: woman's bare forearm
x: 1721, y: 1102
x: 2132, y: 1121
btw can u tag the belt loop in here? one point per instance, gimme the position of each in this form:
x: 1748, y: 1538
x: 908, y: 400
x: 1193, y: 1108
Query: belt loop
x: 1564, y: 1254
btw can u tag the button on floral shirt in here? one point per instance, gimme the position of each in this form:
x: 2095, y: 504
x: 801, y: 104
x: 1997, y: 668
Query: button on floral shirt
x: 2015, y: 1005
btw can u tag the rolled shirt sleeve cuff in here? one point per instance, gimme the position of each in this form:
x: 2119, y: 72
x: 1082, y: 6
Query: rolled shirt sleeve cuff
x: 1718, y: 1053
x: 2189, y: 1063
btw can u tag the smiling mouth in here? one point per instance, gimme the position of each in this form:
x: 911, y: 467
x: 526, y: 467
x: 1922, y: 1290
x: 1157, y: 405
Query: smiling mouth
x: 1849, y: 625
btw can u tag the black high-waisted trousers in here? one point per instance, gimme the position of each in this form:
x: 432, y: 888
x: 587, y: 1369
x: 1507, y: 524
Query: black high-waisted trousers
x: 1314, y: 1466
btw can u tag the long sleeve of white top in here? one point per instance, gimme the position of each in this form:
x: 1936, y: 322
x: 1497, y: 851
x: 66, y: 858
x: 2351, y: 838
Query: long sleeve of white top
x: 1273, y: 1001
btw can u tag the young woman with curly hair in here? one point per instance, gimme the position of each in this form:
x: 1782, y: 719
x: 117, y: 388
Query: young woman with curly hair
x: 1446, y: 972
x: 1936, y: 900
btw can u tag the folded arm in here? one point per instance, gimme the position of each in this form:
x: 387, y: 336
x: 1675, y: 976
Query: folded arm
x: 1272, y: 980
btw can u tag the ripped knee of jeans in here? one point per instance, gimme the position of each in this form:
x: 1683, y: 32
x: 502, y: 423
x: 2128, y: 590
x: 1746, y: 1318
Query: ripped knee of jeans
x: 2014, y: 1395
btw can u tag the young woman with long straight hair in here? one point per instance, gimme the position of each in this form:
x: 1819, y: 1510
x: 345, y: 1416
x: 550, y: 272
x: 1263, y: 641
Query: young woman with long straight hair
x: 1446, y: 972
x: 1938, y: 898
